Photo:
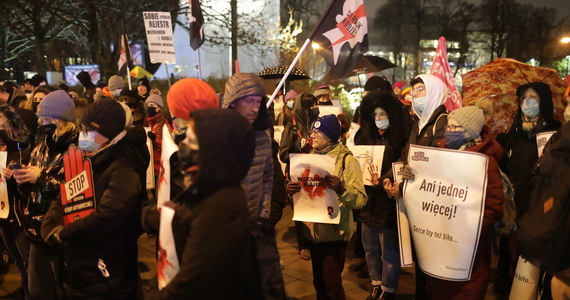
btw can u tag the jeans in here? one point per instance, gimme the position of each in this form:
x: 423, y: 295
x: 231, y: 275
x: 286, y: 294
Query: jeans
x: 382, y: 256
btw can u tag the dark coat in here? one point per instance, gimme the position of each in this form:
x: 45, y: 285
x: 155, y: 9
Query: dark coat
x: 520, y: 146
x: 211, y: 224
x: 296, y: 132
x: 380, y: 210
x: 110, y: 233
x: 476, y: 287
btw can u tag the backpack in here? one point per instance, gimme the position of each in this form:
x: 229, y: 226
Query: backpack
x: 543, y: 233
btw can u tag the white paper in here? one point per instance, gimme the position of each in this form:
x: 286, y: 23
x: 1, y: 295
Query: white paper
x: 164, y: 180
x: 542, y: 139
x: 167, y: 265
x: 525, y: 282
x: 370, y: 160
x: 158, y: 28
x: 445, y: 204
x: 354, y: 127
x: 278, y: 133
x: 405, y: 239
x: 314, y: 203
x: 328, y: 110
x: 4, y: 204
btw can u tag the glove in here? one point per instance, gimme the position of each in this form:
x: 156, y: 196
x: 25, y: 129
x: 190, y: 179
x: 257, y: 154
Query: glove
x: 293, y: 187
x: 334, y: 183
x: 151, y: 136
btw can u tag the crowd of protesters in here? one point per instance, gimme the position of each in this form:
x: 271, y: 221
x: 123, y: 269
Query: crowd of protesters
x: 228, y: 190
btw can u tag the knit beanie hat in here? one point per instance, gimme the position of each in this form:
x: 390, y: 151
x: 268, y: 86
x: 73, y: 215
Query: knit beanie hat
x: 329, y: 125
x: 241, y: 85
x: 377, y: 83
x: 116, y: 82
x: 322, y: 91
x: 190, y: 94
x: 471, y: 118
x: 156, y: 99
x: 290, y: 95
x: 37, y: 80
x: 105, y: 116
x: 398, y: 84
x: 57, y: 105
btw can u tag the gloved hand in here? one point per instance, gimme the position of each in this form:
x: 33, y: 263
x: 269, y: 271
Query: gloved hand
x: 408, y: 172
x: 293, y: 187
x: 151, y: 136
x: 334, y: 183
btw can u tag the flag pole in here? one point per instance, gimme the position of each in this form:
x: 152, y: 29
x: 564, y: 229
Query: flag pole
x: 298, y: 56
x: 129, y: 77
x: 199, y: 65
x: 167, y: 74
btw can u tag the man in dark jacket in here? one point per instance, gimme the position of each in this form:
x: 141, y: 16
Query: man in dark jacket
x: 211, y: 225
x: 101, y: 249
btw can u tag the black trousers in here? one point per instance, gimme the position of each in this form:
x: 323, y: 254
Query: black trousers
x: 328, y: 261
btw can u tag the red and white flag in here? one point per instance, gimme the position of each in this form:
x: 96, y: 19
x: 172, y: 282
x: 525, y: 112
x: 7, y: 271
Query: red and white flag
x: 125, y: 59
x: 440, y: 68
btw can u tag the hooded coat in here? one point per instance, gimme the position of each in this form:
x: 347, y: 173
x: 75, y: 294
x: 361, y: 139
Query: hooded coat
x: 110, y: 233
x: 380, y: 210
x: 296, y: 132
x: 211, y: 223
x: 520, y: 146
x: 258, y: 183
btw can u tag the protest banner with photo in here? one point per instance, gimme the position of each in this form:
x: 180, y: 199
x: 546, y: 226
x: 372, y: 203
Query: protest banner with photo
x: 169, y: 147
x: 150, y: 169
x: 78, y: 192
x: 445, y: 204
x: 351, y: 133
x: 315, y: 202
x: 370, y: 160
x: 158, y: 28
x: 328, y: 110
x: 404, y: 237
x: 542, y: 139
x: 4, y: 204
x: 167, y: 265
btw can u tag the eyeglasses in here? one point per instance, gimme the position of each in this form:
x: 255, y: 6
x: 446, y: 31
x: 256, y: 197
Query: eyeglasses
x: 453, y: 127
x: 418, y: 89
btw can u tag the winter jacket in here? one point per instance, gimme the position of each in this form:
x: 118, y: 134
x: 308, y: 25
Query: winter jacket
x: 211, y: 224
x: 476, y: 287
x: 259, y: 180
x: 380, y: 210
x: 109, y: 234
x: 354, y: 197
x: 520, y: 146
x: 295, y: 133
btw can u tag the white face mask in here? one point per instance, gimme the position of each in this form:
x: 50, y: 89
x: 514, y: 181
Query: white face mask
x: 419, y: 104
x: 290, y: 104
x: 382, y: 124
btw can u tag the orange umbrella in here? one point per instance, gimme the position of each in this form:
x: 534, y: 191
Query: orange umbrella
x: 498, y: 81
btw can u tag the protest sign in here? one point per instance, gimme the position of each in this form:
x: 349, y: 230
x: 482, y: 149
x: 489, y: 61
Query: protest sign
x: 158, y: 28
x: 167, y: 265
x: 445, y: 204
x: 525, y: 281
x: 163, y: 182
x: 328, y: 110
x: 314, y: 202
x: 370, y: 160
x: 351, y: 133
x: 277, y: 133
x: 404, y: 240
x: 78, y: 192
x: 542, y: 139
x: 4, y: 204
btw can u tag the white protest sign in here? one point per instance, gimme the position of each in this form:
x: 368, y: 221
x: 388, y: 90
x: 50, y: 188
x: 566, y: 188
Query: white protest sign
x: 525, y: 281
x: 4, y: 204
x: 405, y: 239
x: 167, y: 265
x: 445, y: 204
x: 336, y: 102
x: 328, y: 110
x: 315, y: 202
x: 541, y: 140
x: 370, y: 160
x: 158, y: 28
x: 150, y: 169
x: 354, y: 127
x: 163, y: 181
x: 277, y: 133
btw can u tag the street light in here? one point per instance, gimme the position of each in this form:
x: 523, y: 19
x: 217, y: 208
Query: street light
x: 565, y: 40
x: 317, y: 46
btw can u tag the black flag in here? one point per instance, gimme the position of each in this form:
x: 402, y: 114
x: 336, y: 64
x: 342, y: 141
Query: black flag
x: 196, y: 25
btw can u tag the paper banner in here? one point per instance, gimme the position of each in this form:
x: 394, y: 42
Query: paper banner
x: 328, y: 110
x: 167, y: 265
x: 445, y: 204
x: 164, y: 180
x: 405, y: 239
x: 314, y: 203
x: 370, y: 160
x: 525, y: 282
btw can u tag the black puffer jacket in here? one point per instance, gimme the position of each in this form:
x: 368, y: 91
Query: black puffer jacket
x: 211, y: 223
x: 110, y: 233
x: 520, y: 146
x: 380, y: 210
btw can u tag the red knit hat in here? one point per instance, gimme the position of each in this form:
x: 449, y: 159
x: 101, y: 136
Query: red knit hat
x: 188, y: 95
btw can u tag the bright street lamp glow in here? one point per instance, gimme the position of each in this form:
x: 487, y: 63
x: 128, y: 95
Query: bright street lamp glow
x: 565, y: 40
x: 315, y: 45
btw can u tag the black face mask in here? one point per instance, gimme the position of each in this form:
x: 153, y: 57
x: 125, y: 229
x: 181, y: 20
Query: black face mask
x: 35, y: 106
x: 151, y: 111
x: 306, y: 104
x: 314, y: 113
x: 187, y: 157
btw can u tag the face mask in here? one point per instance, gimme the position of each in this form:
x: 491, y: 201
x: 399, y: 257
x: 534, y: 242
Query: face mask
x: 290, y: 104
x: 306, y: 104
x: 35, y: 106
x: 116, y: 93
x: 455, y: 139
x: 187, y: 157
x: 567, y: 113
x: 87, y: 142
x: 382, y: 124
x: 530, y: 108
x: 314, y: 113
x: 419, y: 104
x: 151, y: 111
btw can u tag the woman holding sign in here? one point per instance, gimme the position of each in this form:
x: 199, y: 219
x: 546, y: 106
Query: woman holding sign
x: 381, y: 124
x: 330, y: 240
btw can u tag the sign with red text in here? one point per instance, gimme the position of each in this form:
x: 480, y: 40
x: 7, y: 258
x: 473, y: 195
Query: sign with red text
x: 169, y: 147
x: 78, y: 192
x: 315, y: 202
x: 445, y: 204
x: 167, y: 265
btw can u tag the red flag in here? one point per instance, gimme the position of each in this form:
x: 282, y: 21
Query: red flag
x: 196, y: 25
x: 343, y: 35
x: 440, y: 68
x: 125, y: 55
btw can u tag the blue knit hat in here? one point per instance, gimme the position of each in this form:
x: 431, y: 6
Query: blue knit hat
x: 57, y: 105
x: 329, y: 125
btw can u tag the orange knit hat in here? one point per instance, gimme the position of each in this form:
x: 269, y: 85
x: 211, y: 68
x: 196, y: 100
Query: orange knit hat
x: 190, y: 94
